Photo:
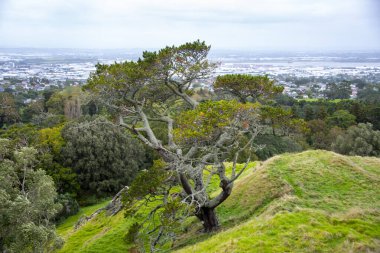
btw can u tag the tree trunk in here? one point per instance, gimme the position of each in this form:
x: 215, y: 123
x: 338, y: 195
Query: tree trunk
x: 208, y: 217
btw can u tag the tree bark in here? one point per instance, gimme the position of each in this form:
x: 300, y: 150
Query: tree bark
x: 209, y: 219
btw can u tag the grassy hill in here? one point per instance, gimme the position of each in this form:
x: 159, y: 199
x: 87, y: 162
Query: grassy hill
x: 315, y: 201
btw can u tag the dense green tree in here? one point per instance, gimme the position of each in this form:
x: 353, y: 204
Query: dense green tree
x: 341, y: 118
x: 27, y: 203
x: 245, y: 87
x: 358, y: 140
x: 105, y: 158
x: 21, y: 134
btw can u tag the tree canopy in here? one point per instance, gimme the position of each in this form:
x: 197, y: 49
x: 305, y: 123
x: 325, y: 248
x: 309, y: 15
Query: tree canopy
x: 243, y: 86
x: 200, y: 136
x: 104, y: 158
x: 27, y: 203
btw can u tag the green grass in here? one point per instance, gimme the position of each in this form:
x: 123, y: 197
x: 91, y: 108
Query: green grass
x: 66, y: 227
x: 101, y: 234
x: 314, y: 201
x: 297, y: 231
x: 337, y: 100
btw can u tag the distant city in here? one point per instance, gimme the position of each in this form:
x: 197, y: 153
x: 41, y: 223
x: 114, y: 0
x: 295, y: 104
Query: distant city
x: 304, y: 75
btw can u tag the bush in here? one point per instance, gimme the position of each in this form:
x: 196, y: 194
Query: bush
x: 104, y: 157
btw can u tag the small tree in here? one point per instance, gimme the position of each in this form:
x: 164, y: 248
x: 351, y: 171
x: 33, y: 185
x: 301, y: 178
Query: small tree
x: 200, y: 136
x: 245, y: 87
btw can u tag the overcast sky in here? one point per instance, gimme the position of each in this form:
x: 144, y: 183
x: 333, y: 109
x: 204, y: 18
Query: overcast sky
x: 225, y: 24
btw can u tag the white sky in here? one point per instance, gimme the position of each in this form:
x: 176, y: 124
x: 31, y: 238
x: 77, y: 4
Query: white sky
x: 225, y: 24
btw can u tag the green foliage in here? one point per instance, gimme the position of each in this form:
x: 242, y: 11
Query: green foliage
x: 147, y: 182
x: 133, y: 231
x: 340, y: 90
x: 49, y: 143
x: 27, y: 205
x: 282, y: 121
x: 67, y: 102
x: 46, y: 120
x: 65, y: 178
x: 157, y: 77
x: 210, y: 119
x: 32, y: 109
x: 55, y: 103
x: 321, y: 136
x: 151, y: 193
x: 20, y: 134
x: 275, y: 145
x: 243, y: 86
x: 341, y: 118
x: 8, y: 110
x: 371, y: 93
x: 358, y: 140
x: 275, y: 116
x: 50, y: 140
x: 104, y: 158
x: 69, y: 206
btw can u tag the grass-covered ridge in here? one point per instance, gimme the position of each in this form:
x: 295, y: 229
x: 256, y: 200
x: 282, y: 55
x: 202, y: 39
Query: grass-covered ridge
x: 319, y: 201
x: 315, y: 201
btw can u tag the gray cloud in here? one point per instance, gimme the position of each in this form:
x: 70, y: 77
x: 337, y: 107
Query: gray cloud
x: 248, y: 24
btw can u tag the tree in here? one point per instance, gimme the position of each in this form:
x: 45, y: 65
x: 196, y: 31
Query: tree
x: 358, y: 140
x: 22, y: 134
x: 341, y: 118
x: 200, y: 136
x: 67, y: 102
x: 340, y: 90
x: 370, y: 93
x: 27, y: 203
x: 104, y: 158
x: 320, y: 135
x: 8, y: 109
x: 32, y: 109
x: 276, y: 116
x: 49, y: 143
x: 275, y: 145
x: 243, y: 86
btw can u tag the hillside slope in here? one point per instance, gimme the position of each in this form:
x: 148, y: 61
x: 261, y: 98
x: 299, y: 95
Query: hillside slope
x: 314, y: 201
